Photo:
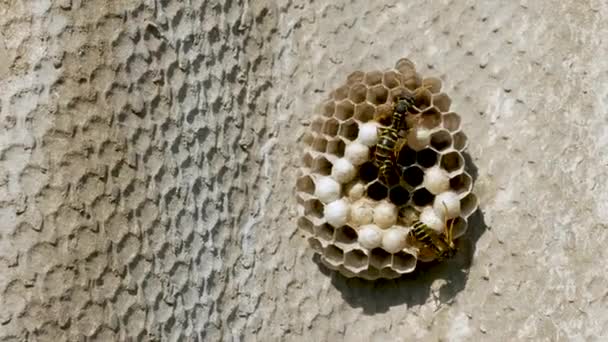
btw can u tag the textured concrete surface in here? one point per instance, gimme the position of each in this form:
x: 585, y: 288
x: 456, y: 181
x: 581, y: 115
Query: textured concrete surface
x: 147, y: 169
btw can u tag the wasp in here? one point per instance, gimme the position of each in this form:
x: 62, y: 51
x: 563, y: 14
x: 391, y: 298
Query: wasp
x: 384, y: 155
x: 442, y: 245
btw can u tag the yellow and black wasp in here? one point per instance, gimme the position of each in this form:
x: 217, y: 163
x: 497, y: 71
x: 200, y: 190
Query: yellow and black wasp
x: 384, y: 156
x: 441, y: 245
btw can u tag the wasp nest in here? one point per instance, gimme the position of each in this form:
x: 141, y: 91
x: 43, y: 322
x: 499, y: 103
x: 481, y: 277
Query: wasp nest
x: 357, y: 223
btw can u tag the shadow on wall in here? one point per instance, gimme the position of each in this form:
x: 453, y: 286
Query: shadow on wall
x: 415, y: 288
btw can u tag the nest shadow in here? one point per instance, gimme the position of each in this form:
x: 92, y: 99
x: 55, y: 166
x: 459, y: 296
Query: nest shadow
x: 415, y: 288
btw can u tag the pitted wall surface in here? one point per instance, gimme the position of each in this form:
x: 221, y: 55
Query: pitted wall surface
x: 149, y: 151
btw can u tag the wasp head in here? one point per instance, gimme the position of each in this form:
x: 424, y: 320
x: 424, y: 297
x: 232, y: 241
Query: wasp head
x: 404, y: 104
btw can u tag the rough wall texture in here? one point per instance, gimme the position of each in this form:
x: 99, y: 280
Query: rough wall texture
x: 147, y: 169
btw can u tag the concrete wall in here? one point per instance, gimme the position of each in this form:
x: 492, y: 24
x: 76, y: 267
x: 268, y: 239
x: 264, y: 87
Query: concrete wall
x: 148, y: 155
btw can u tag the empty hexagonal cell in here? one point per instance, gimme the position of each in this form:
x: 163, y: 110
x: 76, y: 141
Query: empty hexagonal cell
x: 340, y: 93
x: 391, y: 79
x: 333, y: 255
x: 426, y: 157
x: 317, y: 124
x: 452, y: 161
x: 388, y: 273
x: 451, y: 122
x: 319, y: 144
x: 357, y: 93
x: 379, y: 258
x: 364, y: 112
x: 346, y: 234
x: 336, y: 147
x: 404, y: 262
x: 356, y: 260
x: 305, y: 184
x: 330, y: 127
x: 459, y: 226
x: 328, y: 108
x: 460, y: 141
x: 377, y: 94
x: 372, y: 78
x: 355, y: 77
x: 413, y: 176
x: 441, y: 140
x: 398, y: 195
x: 377, y: 191
x: 423, y: 99
x: 461, y: 184
x: 422, y: 197
x: 344, y: 110
x: 322, y: 165
x: 308, y: 138
x: 324, y: 231
x: 468, y: 205
x: 315, y: 244
x: 433, y: 84
x: 306, y: 225
x: 430, y: 118
x: 313, y: 207
x: 405, y: 66
x: 442, y: 101
x: 368, y: 172
x: 307, y: 160
x: 406, y: 156
x: 349, y: 129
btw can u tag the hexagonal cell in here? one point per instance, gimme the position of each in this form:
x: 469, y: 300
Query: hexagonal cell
x: 407, y: 156
x: 442, y: 101
x: 371, y: 273
x: 379, y: 258
x: 430, y: 118
x: 368, y: 172
x: 399, y: 92
x: 433, y: 84
x: 377, y: 191
x: 426, y: 157
x: 408, y: 215
x: 315, y: 244
x: 305, y: 184
x: 393, y: 179
x: 460, y: 141
x: 423, y: 99
x: 468, y: 205
x: 377, y: 94
x: 307, y: 160
x: 452, y: 161
x: 462, y: 183
x: 398, y: 195
x: 313, y: 207
x: 441, y: 140
x: 356, y: 259
x: 346, y: 235
x: 349, y: 130
x: 372, y: 78
x: 306, y: 225
x: 404, y: 262
x: 336, y: 147
x: 307, y: 138
x: 322, y: 165
x: 459, y: 226
x: 413, y: 176
x: 355, y: 77
x: 330, y: 127
x: 340, y: 93
x: 345, y: 271
x: 451, y: 122
x: 422, y: 197
x: 319, y: 144
x: 324, y: 231
x: 357, y: 93
x: 364, y: 112
x: 345, y: 110
x: 391, y: 79
x: 389, y: 273
x: 333, y: 255
x: 317, y: 124
x: 405, y: 66
x: 384, y: 114
x: 328, y: 108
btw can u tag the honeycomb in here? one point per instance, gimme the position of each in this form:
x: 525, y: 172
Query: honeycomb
x: 357, y: 223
